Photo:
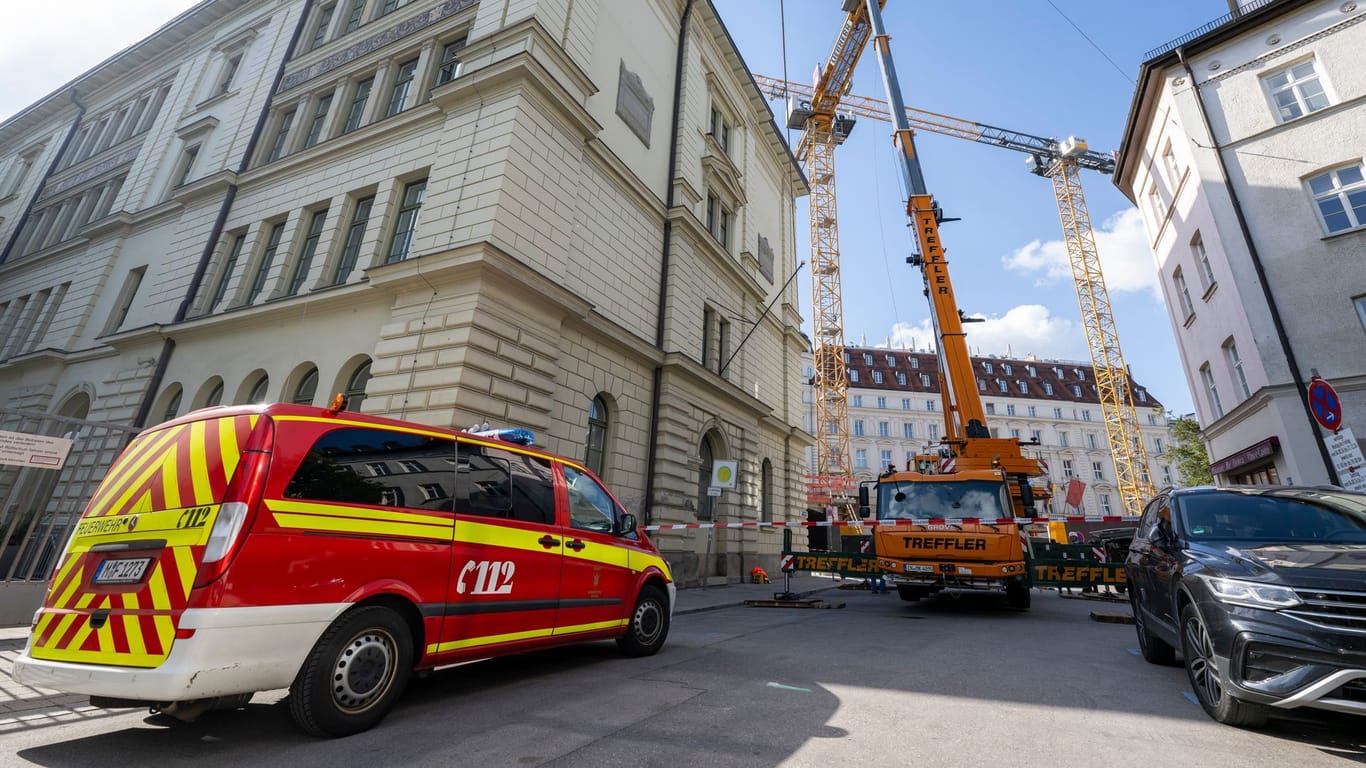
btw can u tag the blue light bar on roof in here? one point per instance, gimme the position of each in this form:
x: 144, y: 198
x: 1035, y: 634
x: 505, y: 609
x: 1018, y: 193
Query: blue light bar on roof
x: 509, y: 435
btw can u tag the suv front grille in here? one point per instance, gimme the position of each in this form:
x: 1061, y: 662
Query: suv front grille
x: 1331, y: 609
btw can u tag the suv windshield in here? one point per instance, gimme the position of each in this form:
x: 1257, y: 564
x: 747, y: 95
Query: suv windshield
x: 1303, y: 516
x: 951, y: 498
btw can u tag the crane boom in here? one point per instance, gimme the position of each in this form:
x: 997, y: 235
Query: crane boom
x: 1058, y: 161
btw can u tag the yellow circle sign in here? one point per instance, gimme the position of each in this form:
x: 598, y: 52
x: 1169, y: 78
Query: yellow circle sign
x: 724, y: 474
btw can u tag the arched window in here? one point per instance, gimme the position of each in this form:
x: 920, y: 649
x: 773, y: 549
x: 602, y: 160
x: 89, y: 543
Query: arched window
x: 766, y: 492
x: 597, y: 435
x: 308, y: 387
x: 215, y: 396
x: 173, y: 404
x: 258, y: 390
x: 706, y: 455
x: 355, y: 387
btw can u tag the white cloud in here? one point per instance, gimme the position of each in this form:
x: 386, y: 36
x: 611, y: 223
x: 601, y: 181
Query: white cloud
x: 43, y: 47
x: 1125, y: 258
x: 1028, y: 329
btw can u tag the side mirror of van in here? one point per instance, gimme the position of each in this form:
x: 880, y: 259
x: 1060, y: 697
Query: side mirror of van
x: 627, y: 524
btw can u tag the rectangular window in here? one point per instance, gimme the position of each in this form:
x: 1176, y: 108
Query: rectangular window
x: 1032, y: 370
x: 1086, y: 414
x: 1062, y: 439
x: 861, y: 458
x: 1202, y: 259
x: 853, y: 376
x: 723, y: 346
x: 931, y: 406
x: 886, y: 458
x: 320, y: 25
x: 720, y: 129
x: 19, y: 174
x: 1360, y: 302
x: 708, y: 320
x: 305, y: 260
x: 1296, y: 91
x: 1097, y: 470
x: 403, y: 83
x: 884, y: 429
x: 858, y: 401
x: 934, y: 432
x: 229, y: 266
x: 386, y: 7
x: 908, y: 430
x: 858, y: 427
x: 1057, y: 413
x: 1091, y: 440
x: 277, y: 149
x: 1010, y: 409
x: 258, y: 283
x: 126, y: 297
x: 1033, y: 411
x: 1021, y: 385
x: 924, y: 379
x: 355, y: 233
x: 991, y: 409
x: 1235, y: 362
x: 450, y: 62
x: 891, y: 361
x: 1155, y: 204
x: 1067, y: 471
x: 225, y: 78
x: 411, y: 466
x: 186, y: 170
x: 432, y: 491
x: 915, y: 362
x: 1340, y: 196
x: 906, y: 401
x: 407, y: 221
x: 882, y: 402
x: 315, y: 128
x: 359, y: 97
x: 378, y: 469
x: 1036, y: 435
x: 1047, y: 388
x: 1157, y: 445
x: 1169, y: 163
x: 877, y: 376
x: 1105, y: 503
x: 1002, y: 385
x: 1207, y: 377
x: 1014, y: 434
x: 901, y: 378
x: 867, y: 358
x: 353, y: 16
x: 1007, y: 369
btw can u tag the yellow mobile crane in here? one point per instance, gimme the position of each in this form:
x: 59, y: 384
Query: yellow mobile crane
x: 1059, y: 161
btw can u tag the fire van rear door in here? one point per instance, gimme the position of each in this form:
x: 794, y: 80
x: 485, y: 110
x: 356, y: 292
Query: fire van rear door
x: 123, y: 581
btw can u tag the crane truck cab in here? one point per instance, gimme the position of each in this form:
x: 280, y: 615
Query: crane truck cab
x: 970, y: 549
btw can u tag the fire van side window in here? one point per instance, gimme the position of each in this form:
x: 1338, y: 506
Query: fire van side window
x: 496, y: 483
x: 344, y: 466
x: 590, y: 507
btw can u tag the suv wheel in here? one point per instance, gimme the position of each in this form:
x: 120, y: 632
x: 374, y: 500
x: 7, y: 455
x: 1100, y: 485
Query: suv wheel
x: 1155, y: 650
x: 1205, y: 680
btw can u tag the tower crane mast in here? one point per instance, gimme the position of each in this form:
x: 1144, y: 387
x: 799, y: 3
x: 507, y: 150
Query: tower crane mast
x: 1059, y: 162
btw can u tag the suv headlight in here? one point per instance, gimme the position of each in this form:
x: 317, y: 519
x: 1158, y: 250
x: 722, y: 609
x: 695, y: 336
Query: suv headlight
x: 1251, y: 594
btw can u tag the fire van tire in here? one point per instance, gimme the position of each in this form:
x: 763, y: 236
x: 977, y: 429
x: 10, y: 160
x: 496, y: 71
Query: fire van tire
x: 354, y: 674
x: 649, y: 624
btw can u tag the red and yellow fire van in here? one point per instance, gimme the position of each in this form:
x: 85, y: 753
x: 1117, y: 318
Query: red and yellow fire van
x: 249, y: 548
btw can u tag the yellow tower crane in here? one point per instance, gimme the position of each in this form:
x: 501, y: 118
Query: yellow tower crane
x: 1059, y: 161
x: 823, y: 128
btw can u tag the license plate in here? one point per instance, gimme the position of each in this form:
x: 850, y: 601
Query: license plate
x: 126, y: 571
x: 913, y: 568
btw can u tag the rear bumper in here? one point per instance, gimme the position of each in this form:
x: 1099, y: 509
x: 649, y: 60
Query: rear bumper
x: 233, y: 650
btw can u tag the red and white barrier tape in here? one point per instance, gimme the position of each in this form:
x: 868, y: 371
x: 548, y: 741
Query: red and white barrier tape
x: 901, y: 521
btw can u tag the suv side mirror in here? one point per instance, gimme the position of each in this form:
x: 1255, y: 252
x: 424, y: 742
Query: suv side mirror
x: 627, y: 524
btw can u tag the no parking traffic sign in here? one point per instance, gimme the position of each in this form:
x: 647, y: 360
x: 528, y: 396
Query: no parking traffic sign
x: 1325, y: 405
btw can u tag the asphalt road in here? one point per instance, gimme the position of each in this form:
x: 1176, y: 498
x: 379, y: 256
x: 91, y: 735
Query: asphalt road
x: 950, y: 682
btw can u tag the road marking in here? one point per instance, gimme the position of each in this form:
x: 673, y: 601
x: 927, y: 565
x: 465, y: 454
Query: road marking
x: 1192, y: 698
x: 1135, y: 651
x: 782, y: 687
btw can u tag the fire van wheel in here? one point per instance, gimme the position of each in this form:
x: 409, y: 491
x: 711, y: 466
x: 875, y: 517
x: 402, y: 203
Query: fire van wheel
x: 354, y: 673
x: 649, y: 624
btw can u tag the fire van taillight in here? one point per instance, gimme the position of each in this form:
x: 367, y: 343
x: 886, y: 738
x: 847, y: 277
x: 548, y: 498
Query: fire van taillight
x: 240, y: 501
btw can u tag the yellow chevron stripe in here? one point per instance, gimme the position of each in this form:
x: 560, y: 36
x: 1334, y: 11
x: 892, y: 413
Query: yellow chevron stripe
x: 184, y: 560
x: 102, y: 656
x: 371, y: 527
x: 199, y: 465
x: 72, y: 561
x: 119, y: 503
x: 128, y: 468
x: 156, y: 586
x: 228, y: 448
x: 170, y: 484
x: 132, y: 628
x: 366, y: 513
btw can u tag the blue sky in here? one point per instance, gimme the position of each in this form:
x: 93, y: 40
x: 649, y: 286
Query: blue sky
x: 1019, y: 65
x: 1016, y: 64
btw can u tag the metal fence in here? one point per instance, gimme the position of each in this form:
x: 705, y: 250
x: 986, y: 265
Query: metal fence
x: 40, y: 506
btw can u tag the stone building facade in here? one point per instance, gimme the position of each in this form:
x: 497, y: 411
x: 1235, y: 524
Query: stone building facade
x: 1243, y: 152
x: 896, y: 411
x: 574, y: 217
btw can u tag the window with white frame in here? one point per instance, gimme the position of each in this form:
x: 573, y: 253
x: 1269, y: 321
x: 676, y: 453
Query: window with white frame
x: 1183, y: 295
x: 1022, y: 385
x: 1032, y: 411
x: 886, y: 458
x: 1105, y: 503
x: 908, y: 430
x: 450, y: 62
x: 1207, y: 377
x: 991, y: 409
x: 403, y: 85
x: 882, y: 402
x: 322, y: 21
x: 1067, y: 471
x: 1062, y: 439
x: 1091, y: 440
x: 1296, y: 90
x: 1047, y: 388
x: 1157, y: 445
x: 1155, y: 203
x: 1010, y: 409
x: 858, y: 401
x: 861, y: 458
x: 319, y: 121
x: 1340, y: 196
x: 986, y: 368
x: 924, y: 379
x: 1169, y: 163
x: 1235, y: 363
x: 720, y: 129
x: 406, y: 226
x: 1202, y: 259
x: 884, y: 429
x: 853, y: 376
x: 877, y: 376
x: 1014, y: 433
x: 891, y: 361
x: 1086, y: 414
x: 719, y: 217
x: 1076, y: 390
x: 931, y: 406
x: 279, y: 147
x: 901, y: 378
x: 858, y: 427
x: 906, y: 401
x: 1098, y: 470
x: 1036, y: 435
x: 1057, y: 413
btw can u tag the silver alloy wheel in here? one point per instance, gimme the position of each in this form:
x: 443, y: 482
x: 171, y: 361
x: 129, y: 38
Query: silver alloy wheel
x: 364, y: 670
x: 1203, y: 671
x: 647, y: 622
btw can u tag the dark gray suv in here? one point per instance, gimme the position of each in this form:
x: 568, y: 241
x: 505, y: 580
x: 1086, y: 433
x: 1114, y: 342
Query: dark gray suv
x: 1262, y: 590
